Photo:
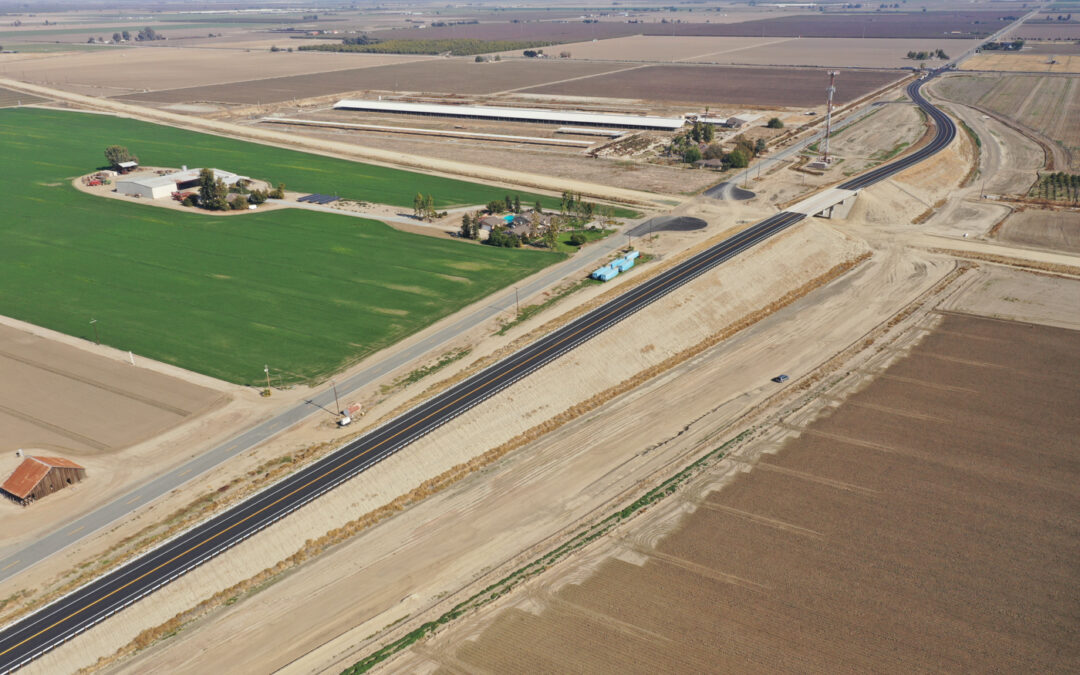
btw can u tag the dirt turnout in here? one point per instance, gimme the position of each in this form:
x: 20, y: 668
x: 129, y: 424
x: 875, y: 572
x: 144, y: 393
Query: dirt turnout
x: 451, y: 76
x: 930, y: 523
x: 721, y: 84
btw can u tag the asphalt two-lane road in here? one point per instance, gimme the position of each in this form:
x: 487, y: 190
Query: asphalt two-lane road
x: 32, y: 636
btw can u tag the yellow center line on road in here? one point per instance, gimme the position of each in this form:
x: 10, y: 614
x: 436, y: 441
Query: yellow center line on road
x: 10, y: 564
x: 350, y: 461
x: 81, y: 527
x: 133, y: 500
x: 184, y: 472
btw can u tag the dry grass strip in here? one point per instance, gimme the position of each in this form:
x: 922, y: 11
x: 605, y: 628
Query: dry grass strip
x: 314, y: 547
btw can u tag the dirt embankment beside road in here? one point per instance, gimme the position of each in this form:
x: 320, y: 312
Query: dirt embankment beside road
x: 868, y: 538
x: 712, y: 305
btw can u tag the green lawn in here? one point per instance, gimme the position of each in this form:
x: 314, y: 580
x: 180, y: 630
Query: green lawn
x: 301, y: 291
x: 563, y: 243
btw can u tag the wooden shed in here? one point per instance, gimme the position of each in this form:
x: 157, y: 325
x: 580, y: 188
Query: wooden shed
x: 40, y: 476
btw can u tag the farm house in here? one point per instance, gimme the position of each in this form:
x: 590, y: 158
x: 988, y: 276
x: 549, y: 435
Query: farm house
x: 37, y: 477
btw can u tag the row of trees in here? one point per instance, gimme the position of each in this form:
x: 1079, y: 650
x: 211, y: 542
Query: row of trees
x: 452, y: 46
x: 424, y: 207
x: 924, y: 56
x: 145, y: 34
x: 214, y: 194
x: 506, y: 204
x: 738, y: 158
x: 1057, y: 187
x: 1011, y: 46
x: 574, y: 212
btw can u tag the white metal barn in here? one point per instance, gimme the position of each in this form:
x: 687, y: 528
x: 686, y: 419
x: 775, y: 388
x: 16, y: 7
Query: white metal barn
x: 151, y: 187
x: 159, y: 187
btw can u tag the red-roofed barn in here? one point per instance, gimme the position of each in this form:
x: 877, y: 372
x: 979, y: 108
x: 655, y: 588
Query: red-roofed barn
x: 40, y: 476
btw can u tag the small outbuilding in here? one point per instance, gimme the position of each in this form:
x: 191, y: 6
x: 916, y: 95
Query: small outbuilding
x: 743, y: 120
x: 40, y: 476
x: 127, y: 167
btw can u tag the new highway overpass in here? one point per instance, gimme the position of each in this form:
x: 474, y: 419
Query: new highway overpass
x: 32, y: 636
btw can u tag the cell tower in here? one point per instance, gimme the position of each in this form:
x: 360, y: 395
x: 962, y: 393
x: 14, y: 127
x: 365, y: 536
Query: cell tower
x: 828, y: 112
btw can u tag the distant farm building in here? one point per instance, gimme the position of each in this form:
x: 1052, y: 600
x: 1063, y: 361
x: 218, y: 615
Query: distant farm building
x: 127, y: 167
x: 740, y: 121
x: 536, y: 115
x: 40, y: 476
x: 161, y: 187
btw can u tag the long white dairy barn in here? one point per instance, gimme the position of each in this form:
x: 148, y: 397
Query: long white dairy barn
x: 536, y: 115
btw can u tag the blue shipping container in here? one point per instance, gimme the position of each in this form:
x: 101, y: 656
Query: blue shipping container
x: 605, y: 273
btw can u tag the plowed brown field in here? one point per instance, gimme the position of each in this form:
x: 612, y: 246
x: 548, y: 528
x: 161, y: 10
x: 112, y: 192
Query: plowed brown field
x: 1054, y: 230
x: 452, y: 76
x: 931, y: 523
x: 719, y: 84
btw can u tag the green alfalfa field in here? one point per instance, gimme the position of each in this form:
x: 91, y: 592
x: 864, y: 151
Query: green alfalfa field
x: 306, y: 293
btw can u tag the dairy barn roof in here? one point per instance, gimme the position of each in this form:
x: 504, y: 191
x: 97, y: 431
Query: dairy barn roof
x: 28, y: 474
x: 523, y: 114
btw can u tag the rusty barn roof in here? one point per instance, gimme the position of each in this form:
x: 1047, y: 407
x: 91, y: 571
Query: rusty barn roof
x: 28, y: 474
x: 59, y: 462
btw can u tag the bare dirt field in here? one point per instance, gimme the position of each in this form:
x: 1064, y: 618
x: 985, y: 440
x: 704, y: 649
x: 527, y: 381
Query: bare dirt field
x: 1029, y: 63
x: 454, y: 76
x: 1003, y: 293
x: 93, y: 406
x: 930, y: 521
x: 1054, y: 230
x: 1051, y: 48
x: 10, y: 98
x: 720, y: 84
x: 132, y: 70
x: 959, y: 25
x: 1047, y: 104
x: 658, y: 48
x: 507, y: 155
x: 1044, y: 31
x: 107, y: 405
x: 553, y: 31
x: 756, y: 51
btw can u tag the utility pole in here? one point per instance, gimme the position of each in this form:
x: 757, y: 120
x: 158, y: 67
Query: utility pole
x: 93, y: 322
x: 337, y: 403
x: 517, y: 302
x: 266, y: 369
x: 828, y: 111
